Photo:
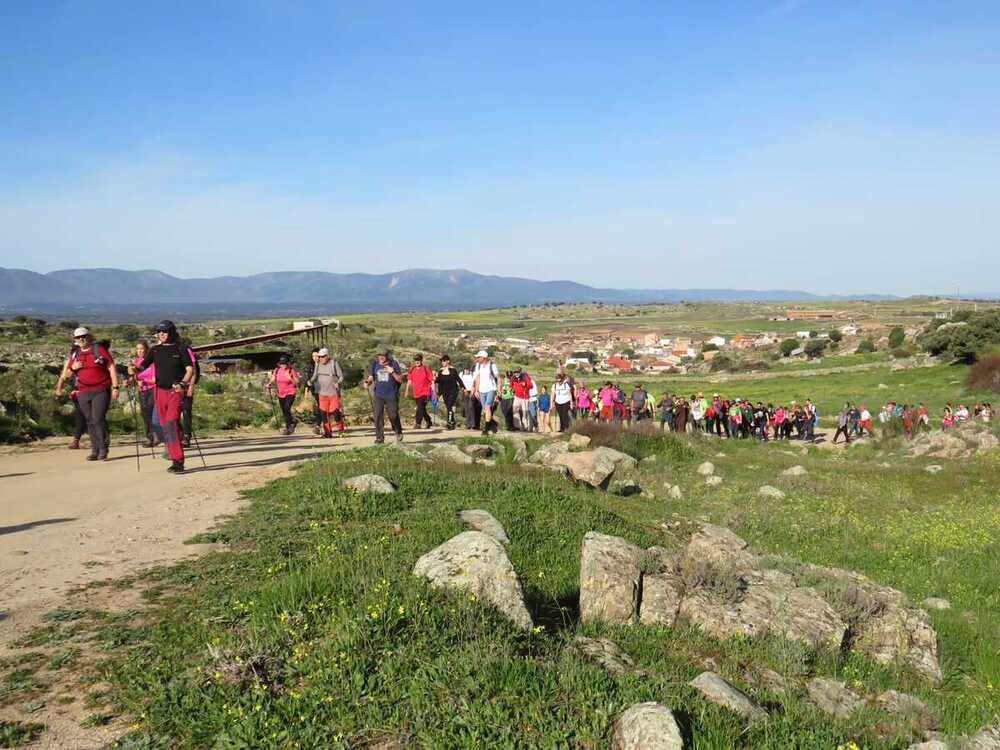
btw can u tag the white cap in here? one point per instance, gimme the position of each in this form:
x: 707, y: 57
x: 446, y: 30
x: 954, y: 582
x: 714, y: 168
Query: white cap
x: 481, y: 353
x: 81, y: 331
x: 324, y: 352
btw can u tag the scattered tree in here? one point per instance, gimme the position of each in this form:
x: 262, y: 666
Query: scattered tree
x: 865, y: 346
x: 815, y: 347
x: 836, y: 336
x: 788, y: 346
x: 896, y: 337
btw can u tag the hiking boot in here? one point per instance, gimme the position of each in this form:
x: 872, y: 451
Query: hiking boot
x: 150, y: 443
x: 399, y: 437
x: 92, y: 457
x: 74, y: 444
x: 186, y: 442
x: 176, y: 467
x: 292, y: 426
x: 379, y: 441
x: 103, y: 457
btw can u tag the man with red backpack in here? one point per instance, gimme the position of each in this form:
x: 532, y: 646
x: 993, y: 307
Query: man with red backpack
x: 419, y: 383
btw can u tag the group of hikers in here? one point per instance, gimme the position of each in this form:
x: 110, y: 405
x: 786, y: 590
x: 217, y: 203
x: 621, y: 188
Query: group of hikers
x: 161, y: 379
x: 160, y: 385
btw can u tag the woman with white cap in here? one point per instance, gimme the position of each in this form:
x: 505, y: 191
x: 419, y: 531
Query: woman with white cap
x: 96, y: 387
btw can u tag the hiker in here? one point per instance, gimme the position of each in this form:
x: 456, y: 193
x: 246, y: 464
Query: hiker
x: 947, y: 418
x: 419, y: 384
x: 285, y: 380
x: 520, y: 386
x: 484, y: 388
x: 606, y: 397
x: 145, y: 385
x: 384, y: 378
x: 584, y: 401
x: 96, y: 387
x: 865, y: 422
x: 533, y: 405
x: 327, y: 378
x: 666, y: 412
x: 680, y: 414
x: 760, y: 421
x: 79, y: 421
x: 842, y: 421
x: 697, y: 412
x: 311, y: 386
x: 544, y: 408
x: 173, y: 375
x: 448, y: 383
x: 471, y: 408
x: 506, y: 395
x: 562, y: 396
x: 638, y: 402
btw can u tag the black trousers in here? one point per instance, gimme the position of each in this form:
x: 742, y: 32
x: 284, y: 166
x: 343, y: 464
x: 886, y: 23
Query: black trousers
x: 79, y: 421
x: 386, y: 407
x: 841, y: 431
x: 473, y: 412
x: 507, y: 409
x: 94, y: 405
x: 187, y: 409
x: 564, y: 419
x: 422, y: 415
x: 147, y: 403
x: 286, y: 409
x: 449, y: 407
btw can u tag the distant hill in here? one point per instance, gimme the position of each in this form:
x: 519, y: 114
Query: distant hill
x: 410, y: 289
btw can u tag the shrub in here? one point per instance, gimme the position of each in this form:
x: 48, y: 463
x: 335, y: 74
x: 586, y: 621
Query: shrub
x: 721, y: 363
x: 788, y: 346
x: 836, y: 336
x: 866, y: 346
x: 899, y: 353
x: 815, y: 347
x: 896, y: 337
x: 213, y: 387
x: 963, y: 342
x: 639, y: 441
x: 985, y: 374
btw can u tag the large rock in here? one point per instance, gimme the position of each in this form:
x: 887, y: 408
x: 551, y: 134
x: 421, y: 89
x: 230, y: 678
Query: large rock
x: 936, y: 602
x: 520, y: 446
x: 647, y: 726
x: 606, y: 653
x: 795, y: 471
x: 706, y: 469
x: 549, y: 452
x: 662, y: 589
x: 717, y: 690
x: 476, y: 562
x: 481, y: 520
x: 410, y: 451
x: 588, y: 467
x: 621, y: 460
x: 987, y: 738
x: 901, y: 635
x: 676, y: 493
x: 609, y: 579
x: 833, y: 697
x: 370, y: 483
x: 717, y: 547
x: 578, y: 442
x: 450, y: 453
x: 770, y: 604
x: 917, y: 714
x: 713, y: 481
x: 771, y: 492
x: 478, y: 450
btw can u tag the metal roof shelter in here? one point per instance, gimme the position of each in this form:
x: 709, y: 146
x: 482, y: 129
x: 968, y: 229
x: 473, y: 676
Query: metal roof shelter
x: 316, y: 333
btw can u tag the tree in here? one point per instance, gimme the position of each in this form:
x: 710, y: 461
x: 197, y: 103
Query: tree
x: 721, y: 362
x: 788, y: 346
x: 964, y: 339
x: 896, y: 337
x: 815, y: 347
x: 836, y: 336
x: 710, y: 347
x: 865, y: 346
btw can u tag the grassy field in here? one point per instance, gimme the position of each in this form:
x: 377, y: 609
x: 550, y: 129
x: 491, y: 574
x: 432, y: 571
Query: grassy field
x: 307, y: 630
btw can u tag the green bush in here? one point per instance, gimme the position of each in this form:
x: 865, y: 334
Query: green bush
x: 899, y: 353
x: 815, y: 347
x: 788, y: 346
x: 896, y: 337
x: 866, y: 346
x: 212, y: 386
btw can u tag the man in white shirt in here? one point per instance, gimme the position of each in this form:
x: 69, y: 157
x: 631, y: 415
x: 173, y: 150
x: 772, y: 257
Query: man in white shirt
x: 484, y: 387
x: 562, y: 397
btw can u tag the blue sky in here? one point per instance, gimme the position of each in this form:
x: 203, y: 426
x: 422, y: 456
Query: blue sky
x: 834, y: 147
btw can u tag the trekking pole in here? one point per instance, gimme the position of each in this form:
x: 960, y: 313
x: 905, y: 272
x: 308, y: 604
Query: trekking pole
x: 274, y: 411
x: 134, y: 405
x: 197, y: 445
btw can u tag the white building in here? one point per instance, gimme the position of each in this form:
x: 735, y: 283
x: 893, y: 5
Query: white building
x: 719, y: 341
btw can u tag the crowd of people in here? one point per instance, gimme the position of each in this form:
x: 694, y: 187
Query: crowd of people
x: 161, y: 379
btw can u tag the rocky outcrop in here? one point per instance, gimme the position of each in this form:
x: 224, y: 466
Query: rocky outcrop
x: 987, y: 738
x: 647, y: 726
x: 547, y: 453
x: 770, y: 603
x: 450, y: 453
x: 579, y: 442
x: 606, y: 653
x: 771, y: 492
x: 477, y: 563
x: 833, y: 698
x: 962, y: 442
x: 706, y: 469
x: 795, y: 471
x: 717, y: 547
x: 609, y: 579
x: 588, y: 467
x: 481, y: 520
x: 901, y: 635
x: 908, y: 708
x: 370, y: 483
x: 622, y: 461
x: 478, y: 450
x: 717, y: 690
x: 662, y: 589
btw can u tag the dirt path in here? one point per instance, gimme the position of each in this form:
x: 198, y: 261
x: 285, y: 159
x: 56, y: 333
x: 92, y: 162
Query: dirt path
x: 66, y: 522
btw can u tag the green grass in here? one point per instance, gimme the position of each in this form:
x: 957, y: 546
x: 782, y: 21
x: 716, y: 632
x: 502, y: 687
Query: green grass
x: 308, y: 630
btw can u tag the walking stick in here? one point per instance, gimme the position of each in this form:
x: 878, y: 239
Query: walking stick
x: 274, y: 411
x: 134, y: 406
x: 197, y: 445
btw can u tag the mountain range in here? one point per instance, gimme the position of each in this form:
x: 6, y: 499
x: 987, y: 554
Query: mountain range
x: 412, y: 289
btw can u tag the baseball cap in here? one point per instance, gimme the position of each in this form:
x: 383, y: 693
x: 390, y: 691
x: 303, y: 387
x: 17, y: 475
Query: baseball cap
x: 324, y: 352
x: 81, y: 331
x: 166, y: 325
x: 481, y: 353
x: 283, y: 359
